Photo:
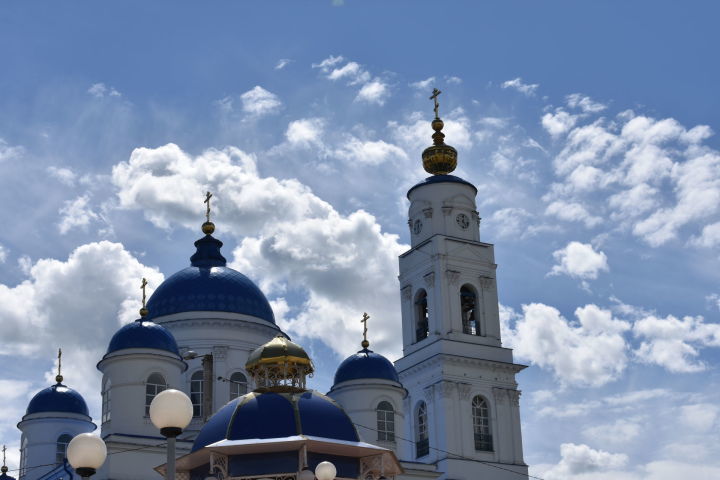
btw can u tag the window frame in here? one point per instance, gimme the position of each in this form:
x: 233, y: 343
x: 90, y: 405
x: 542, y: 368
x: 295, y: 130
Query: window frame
x: 482, y: 426
x: 61, y: 444
x: 197, y: 381
x: 422, y: 431
x: 385, y: 414
x: 152, y: 388
x: 241, y: 387
x: 421, y: 316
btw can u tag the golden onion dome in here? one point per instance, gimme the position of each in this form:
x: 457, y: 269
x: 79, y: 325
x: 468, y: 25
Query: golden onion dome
x: 279, y: 365
x: 439, y: 159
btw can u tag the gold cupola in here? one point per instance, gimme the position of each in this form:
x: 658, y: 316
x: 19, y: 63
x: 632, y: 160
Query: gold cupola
x: 279, y: 366
x: 439, y: 159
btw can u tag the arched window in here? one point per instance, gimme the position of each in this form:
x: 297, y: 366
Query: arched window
x: 422, y: 438
x: 468, y: 309
x: 422, y: 324
x: 62, y: 443
x: 23, y: 457
x: 481, y: 424
x: 196, y: 393
x: 238, y: 385
x: 386, y: 422
x: 154, y: 385
x: 106, y: 402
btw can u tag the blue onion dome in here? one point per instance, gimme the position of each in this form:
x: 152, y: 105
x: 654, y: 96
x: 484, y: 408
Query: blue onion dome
x: 143, y: 334
x: 209, y: 285
x: 366, y: 364
x: 58, y: 398
x: 263, y: 415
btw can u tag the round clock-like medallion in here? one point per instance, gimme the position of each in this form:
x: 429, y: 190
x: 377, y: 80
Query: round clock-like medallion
x: 417, y: 227
x: 463, y: 221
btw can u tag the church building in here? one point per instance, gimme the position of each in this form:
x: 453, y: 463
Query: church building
x: 448, y: 409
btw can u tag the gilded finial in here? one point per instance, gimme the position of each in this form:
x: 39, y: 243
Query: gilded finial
x: 143, y: 311
x: 4, y: 468
x: 208, y: 227
x: 439, y: 159
x: 364, y: 320
x: 59, y: 377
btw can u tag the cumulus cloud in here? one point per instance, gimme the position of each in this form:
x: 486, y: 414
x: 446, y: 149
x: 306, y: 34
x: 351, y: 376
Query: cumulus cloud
x: 675, y: 343
x: 709, y: 237
x: 76, y: 213
x: 100, y: 90
x: 589, y: 352
x: 258, y: 101
x: 577, y: 459
x: 305, y: 132
x: 282, y: 63
x: 524, y: 88
x: 63, y: 174
x: 579, y: 260
x: 584, y: 103
x: 8, y: 152
x: 293, y: 240
x: 369, y: 152
x: 572, y: 212
x: 423, y: 84
x: 558, y: 123
x: 373, y: 89
x: 76, y: 304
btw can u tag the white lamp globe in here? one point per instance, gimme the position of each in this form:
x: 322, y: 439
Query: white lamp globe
x: 325, y: 471
x: 86, y: 451
x: 306, y: 475
x: 171, y: 409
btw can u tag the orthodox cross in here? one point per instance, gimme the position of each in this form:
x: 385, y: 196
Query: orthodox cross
x: 59, y: 377
x: 208, y: 196
x: 142, y: 287
x: 434, y: 97
x: 364, y: 322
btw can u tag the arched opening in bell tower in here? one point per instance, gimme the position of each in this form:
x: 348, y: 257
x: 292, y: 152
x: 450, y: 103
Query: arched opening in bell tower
x: 422, y: 324
x: 469, y: 311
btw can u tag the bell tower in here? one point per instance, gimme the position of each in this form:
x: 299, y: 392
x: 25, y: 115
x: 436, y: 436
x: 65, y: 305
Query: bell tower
x: 462, y: 408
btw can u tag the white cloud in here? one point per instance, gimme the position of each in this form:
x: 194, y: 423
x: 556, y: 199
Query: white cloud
x: 709, y: 237
x: 423, y: 84
x: 369, y: 152
x: 100, y: 90
x: 305, y: 132
x: 452, y: 80
x: 76, y: 304
x: 291, y: 239
x: 64, y: 175
x: 700, y: 417
x: 592, y: 352
x: 558, y: 123
x: 258, y: 101
x: 524, y: 88
x: 577, y: 459
x: 8, y: 152
x: 674, y: 343
x: 329, y: 62
x: 373, y: 92
x: 282, y: 63
x: 76, y: 213
x: 579, y: 260
x: 584, y: 103
x: 620, y: 432
x: 3, y: 254
x: 572, y: 212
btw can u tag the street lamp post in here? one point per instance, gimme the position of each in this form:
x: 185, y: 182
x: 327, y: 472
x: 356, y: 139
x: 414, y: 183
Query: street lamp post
x: 171, y: 411
x: 86, y: 453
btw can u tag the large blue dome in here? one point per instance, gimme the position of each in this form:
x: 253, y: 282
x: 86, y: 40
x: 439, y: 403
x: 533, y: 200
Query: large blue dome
x: 208, y: 285
x: 278, y: 415
x: 366, y: 364
x: 143, y: 334
x: 57, y: 398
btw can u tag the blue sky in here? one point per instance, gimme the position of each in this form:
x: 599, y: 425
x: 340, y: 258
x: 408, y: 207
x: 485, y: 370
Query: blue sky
x: 588, y: 128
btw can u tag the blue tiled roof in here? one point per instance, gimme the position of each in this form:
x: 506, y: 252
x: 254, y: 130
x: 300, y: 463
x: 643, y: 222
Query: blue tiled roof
x: 208, y: 285
x: 143, y: 334
x: 442, y: 179
x: 57, y: 398
x: 278, y: 415
x: 366, y: 364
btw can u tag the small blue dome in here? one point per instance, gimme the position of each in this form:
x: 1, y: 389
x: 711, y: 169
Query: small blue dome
x: 278, y: 415
x: 4, y: 475
x: 366, y: 364
x: 57, y: 398
x: 143, y: 334
x: 442, y: 179
x: 208, y: 285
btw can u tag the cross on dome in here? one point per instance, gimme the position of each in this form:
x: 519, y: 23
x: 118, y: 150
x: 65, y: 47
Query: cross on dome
x: 365, y: 343
x: 208, y: 227
x: 59, y: 377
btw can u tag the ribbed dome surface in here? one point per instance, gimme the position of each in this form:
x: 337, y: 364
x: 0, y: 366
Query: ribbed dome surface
x: 277, y: 415
x: 143, y: 334
x: 57, y: 398
x: 366, y: 364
